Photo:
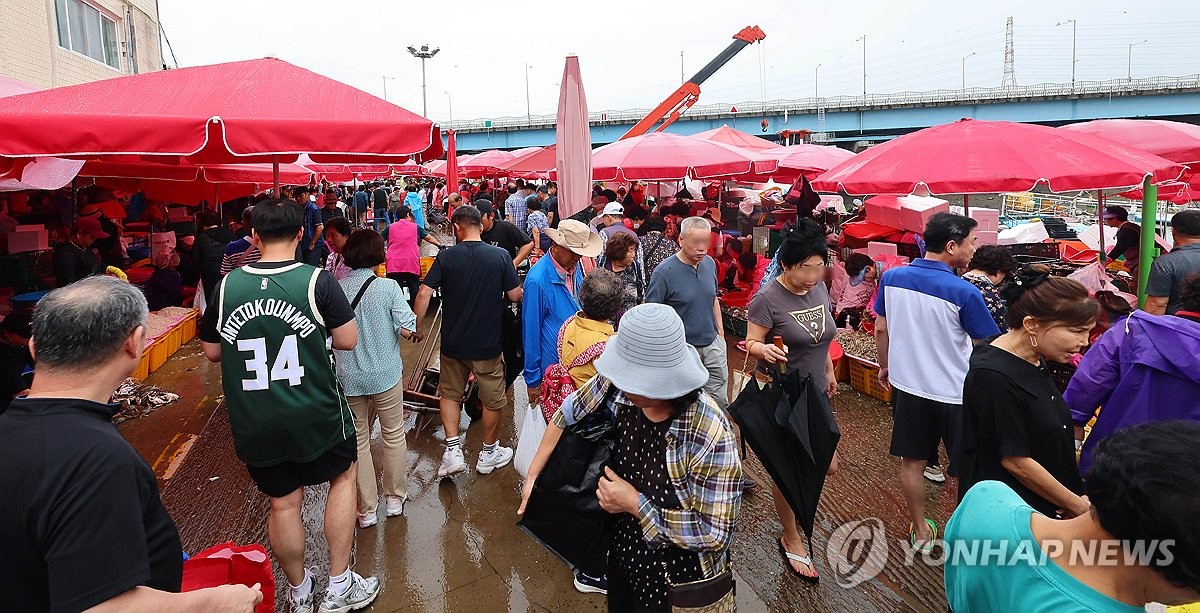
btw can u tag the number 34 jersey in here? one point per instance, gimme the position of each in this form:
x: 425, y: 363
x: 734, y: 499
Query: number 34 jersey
x: 285, y: 403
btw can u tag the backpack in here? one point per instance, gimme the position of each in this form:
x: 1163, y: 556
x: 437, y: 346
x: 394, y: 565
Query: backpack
x: 557, y: 383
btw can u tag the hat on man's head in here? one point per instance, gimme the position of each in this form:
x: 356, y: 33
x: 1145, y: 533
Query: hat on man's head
x: 613, y: 208
x: 90, y: 226
x: 650, y: 355
x: 486, y: 207
x: 576, y: 236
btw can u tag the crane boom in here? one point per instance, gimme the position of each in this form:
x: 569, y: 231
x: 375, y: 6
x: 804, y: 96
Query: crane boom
x: 683, y: 98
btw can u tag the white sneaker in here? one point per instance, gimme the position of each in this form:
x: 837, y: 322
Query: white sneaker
x: 362, y: 592
x: 491, y: 461
x: 368, y: 520
x: 395, y: 505
x: 934, y: 474
x: 305, y: 604
x: 453, y: 463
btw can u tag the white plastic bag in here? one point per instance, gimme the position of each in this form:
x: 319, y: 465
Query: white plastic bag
x: 530, y: 437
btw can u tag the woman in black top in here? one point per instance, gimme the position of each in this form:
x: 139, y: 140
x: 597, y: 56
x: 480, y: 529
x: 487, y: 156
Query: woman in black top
x: 1016, y: 427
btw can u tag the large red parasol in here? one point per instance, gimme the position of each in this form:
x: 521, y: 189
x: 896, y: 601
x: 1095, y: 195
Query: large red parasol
x: 536, y: 164
x: 452, y: 171
x: 808, y: 160
x: 1176, y: 141
x: 737, y: 138
x: 985, y: 157
x: 42, y: 173
x: 486, y: 164
x: 662, y: 156
x: 251, y: 111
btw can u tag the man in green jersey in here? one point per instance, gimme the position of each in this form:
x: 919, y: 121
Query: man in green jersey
x: 267, y: 325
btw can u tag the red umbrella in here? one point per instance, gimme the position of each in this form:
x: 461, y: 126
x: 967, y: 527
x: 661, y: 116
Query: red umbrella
x: 985, y: 157
x: 43, y: 173
x: 289, y: 174
x: 662, y: 156
x: 573, y: 134
x: 487, y: 164
x: 737, y: 138
x: 224, y: 113
x: 807, y: 160
x: 1176, y: 141
x: 535, y: 164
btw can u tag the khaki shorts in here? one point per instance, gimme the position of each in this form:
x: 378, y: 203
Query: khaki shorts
x: 489, y: 375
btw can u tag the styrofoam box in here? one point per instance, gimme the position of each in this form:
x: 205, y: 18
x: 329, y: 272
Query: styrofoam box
x: 35, y: 239
x: 915, y: 211
x: 884, y: 210
x: 987, y: 237
x: 989, y: 219
x: 875, y: 248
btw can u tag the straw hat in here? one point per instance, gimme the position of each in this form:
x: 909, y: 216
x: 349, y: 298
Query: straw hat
x: 576, y: 236
x: 650, y: 355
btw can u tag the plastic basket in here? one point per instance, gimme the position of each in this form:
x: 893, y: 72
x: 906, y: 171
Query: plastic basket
x: 864, y: 377
x: 188, y: 326
x: 143, y: 368
x: 158, y: 353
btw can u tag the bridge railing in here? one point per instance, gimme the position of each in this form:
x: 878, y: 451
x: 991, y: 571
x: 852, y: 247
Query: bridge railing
x: 941, y: 97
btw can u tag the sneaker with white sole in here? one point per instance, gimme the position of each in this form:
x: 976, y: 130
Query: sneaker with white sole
x: 360, y: 594
x: 305, y: 604
x: 498, y: 458
x: 395, y: 505
x: 590, y: 585
x: 453, y: 463
x: 368, y: 520
x: 934, y: 474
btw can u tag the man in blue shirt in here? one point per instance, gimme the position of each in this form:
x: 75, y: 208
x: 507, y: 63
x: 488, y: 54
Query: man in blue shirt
x: 551, y: 288
x: 1139, y: 543
x: 931, y: 317
x: 310, y: 252
x: 362, y: 201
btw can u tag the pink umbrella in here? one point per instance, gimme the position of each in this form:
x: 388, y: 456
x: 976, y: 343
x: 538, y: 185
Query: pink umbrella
x: 1176, y: 141
x: 573, y: 136
x: 808, y: 160
x: 536, y: 164
x: 487, y: 163
x: 662, y: 156
x: 737, y: 138
x: 42, y: 173
x: 986, y: 157
x: 451, y: 163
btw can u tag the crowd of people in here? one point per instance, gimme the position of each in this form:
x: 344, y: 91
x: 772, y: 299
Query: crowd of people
x: 613, y: 316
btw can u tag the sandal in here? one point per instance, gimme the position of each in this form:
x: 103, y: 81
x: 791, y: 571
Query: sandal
x: 789, y: 557
x: 927, y: 548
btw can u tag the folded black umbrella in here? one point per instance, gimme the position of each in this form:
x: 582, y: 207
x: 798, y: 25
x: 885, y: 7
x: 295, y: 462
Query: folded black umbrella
x: 563, y: 513
x: 789, y: 425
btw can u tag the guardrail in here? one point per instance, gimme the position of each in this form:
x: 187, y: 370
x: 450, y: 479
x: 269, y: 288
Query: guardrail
x: 941, y: 97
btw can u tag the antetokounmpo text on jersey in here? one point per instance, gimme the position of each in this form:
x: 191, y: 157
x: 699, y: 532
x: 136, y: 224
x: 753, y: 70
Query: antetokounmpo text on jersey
x: 263, y: 307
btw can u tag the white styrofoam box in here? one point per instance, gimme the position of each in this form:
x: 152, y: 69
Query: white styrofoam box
x: 37, y: 239
x: 915, y: 211
x: 884, y: 210
x: 876, y: 248
x: 989, y: 219
x: 987, y: 237
x: 957, y: 209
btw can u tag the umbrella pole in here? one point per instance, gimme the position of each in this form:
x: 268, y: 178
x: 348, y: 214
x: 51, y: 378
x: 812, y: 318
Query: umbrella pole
x: 1100, y: 223
x: 1146, y: 258
x: 966, y: 205
x: 217, y: 203
x: 275, y: 174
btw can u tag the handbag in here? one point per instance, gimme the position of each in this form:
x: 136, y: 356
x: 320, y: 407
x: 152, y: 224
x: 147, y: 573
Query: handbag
x: 713, y: 595
x: 229, y: 564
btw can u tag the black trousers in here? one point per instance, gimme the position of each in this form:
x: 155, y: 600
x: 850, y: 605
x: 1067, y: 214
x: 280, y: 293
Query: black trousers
x: 410, y: 280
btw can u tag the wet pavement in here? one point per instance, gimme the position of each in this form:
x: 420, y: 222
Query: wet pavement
x: 457, y: 548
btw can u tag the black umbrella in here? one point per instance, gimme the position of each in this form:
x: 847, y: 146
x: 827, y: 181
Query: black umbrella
x: 791, y: 429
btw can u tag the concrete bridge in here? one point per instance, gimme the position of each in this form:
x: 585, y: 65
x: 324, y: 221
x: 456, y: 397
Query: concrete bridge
x: 853, y: 120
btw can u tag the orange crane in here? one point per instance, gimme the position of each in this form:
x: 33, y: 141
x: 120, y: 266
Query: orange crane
x: 683, y: 98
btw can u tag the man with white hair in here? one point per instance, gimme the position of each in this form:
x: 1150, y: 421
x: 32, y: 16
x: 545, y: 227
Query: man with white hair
x: 688, y: 284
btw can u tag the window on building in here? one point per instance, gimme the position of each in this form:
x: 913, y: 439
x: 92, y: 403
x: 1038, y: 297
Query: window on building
x: 84, y: 29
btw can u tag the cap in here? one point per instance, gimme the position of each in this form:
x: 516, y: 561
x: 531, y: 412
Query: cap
x: 90, y: 226
x: 613, y: 208
x: 485, y: 206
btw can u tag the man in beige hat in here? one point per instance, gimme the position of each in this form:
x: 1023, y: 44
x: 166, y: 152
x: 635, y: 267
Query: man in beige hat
x: 551, y: 288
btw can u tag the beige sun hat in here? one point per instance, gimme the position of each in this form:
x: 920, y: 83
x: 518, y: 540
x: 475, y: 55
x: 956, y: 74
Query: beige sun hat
x: 578, y: 237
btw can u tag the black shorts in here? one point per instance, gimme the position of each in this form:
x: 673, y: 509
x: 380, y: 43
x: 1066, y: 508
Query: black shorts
x: 282, y: 479
x: 918, y: 424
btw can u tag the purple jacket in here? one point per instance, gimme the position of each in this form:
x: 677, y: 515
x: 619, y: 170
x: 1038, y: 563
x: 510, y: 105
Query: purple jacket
x: 1142, y: 370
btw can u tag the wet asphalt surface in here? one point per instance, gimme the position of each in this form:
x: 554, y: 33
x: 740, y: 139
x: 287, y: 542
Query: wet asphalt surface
x: 457, y: 548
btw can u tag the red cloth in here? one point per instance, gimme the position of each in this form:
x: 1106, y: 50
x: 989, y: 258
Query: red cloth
x: 229, y: 564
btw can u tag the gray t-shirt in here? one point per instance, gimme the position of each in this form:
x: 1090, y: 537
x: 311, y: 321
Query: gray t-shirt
x: 804, y: 322
x: 691, y: 292
x: 1168, y: 273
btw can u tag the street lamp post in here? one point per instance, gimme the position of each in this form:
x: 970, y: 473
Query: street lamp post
x: 385, y: 80
x: 1129, y: 64
x: 528, y: 114
x: 424, y: 53
x: 817, y: 82
x: 450, y: 102
x: 863, y: 38
x: 964, y: 70
x: 1074, y: 29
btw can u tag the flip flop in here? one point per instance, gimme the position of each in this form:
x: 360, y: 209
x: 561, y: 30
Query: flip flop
x: 789, y: 557
x: 927, y: 548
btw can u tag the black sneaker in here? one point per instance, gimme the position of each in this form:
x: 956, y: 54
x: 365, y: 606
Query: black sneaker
x: 748, y: 485
x: 590, y: 585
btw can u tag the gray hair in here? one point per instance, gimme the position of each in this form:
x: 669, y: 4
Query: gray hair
x: 601, y: 294
x: 691, y: 223
x: 83, y: 325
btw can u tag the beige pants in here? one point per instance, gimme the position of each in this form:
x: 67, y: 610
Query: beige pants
x: 389, y: 408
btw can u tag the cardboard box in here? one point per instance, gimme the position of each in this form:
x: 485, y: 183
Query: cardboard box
x: 876, y: 249
x: 28, y: 238
x: 989, y: 219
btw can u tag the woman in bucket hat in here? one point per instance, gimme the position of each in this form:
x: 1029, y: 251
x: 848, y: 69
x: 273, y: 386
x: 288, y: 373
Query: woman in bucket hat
x: 674, y: 484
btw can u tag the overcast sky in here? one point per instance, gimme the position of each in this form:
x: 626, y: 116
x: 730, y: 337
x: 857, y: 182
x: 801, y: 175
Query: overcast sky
x: 630, y: 51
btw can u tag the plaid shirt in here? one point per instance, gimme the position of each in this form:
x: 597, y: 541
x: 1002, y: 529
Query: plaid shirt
x: 516, y: 212
x: 704, y: 468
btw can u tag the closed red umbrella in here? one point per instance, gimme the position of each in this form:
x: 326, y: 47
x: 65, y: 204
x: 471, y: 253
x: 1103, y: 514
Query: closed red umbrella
x: 573, y: 135
x: 247, y: 111
x: 1174, y: 140
x: 451, y: 163
x: 662, y: 156
x: 737, y: 138
x: 985, y: 157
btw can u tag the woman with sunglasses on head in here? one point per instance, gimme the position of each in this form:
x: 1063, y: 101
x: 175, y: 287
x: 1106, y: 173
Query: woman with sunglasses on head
x: 1016, y: 427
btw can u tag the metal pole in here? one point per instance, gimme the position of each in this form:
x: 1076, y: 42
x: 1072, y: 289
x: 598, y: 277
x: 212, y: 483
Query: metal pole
x: 424, y: 100
x: 864, y: 40
x: 817, y: 82
x: 966, y: 205
x: 1074, y: 27
x: 528, y: 114
x: 682, y: 79
x: 1100, y: 223
x: 385, y: 89
x: 1129, y: 61
x: 1146, y: 257
x: 275, y: 173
